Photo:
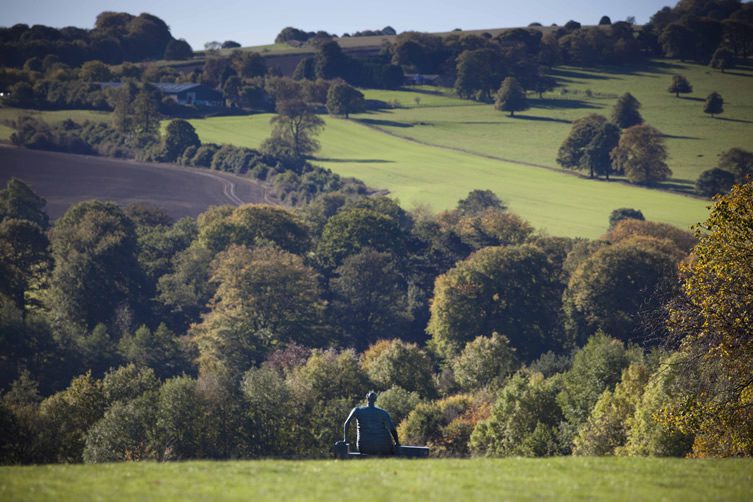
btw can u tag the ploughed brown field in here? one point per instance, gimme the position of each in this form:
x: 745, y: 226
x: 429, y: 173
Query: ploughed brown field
x: 64, y: 179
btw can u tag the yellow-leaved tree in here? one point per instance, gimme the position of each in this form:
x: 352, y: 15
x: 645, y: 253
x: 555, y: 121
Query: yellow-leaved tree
x: 714, y: 317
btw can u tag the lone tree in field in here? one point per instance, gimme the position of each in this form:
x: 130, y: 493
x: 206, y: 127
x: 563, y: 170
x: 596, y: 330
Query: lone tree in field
x: 722, y: 59
x: 625, y: 113
x: 714, y: 104
x: 641, y: 155
x: 343, y: 99
x: 584, y: 130
x: 293, y: 131
x: 511, y: 97
x: 680, y: 85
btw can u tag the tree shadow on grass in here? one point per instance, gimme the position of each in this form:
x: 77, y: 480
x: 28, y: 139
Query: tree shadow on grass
x: 541, y: 119
x: 678, y: 186
x: 727, y: 119
x: 646, y: 68
x: 384, y: 123
x: 575, y: 74
x: 689, y: 98
x: 355, y: 161
x: 672, y: 136
x: 552, y: 103
x: 738, y: 74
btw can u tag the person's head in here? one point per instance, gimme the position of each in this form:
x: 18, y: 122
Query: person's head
x: 371, y: 397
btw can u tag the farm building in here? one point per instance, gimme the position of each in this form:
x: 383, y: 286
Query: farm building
x: 420, y: 79
x: 183, y: 94
x: 190, y: 94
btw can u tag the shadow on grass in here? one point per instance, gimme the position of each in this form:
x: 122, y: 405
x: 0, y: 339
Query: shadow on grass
x: 678, y: 186
x: 356, y: 161
x: 540, y: 119
x: 738, y: 74
x: 672, y: 136
x: 692, y: 99
x: 727, y: 119
x: 575, y: 74
x: 376, y: 104
x: 552, y: 103
x: 428, y: 92
x: 645, y: 68
x: 385, y: 123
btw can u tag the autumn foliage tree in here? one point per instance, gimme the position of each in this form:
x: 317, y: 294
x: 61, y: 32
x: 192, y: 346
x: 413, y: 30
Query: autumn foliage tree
x: 641, y: 154
x: 714, y: 316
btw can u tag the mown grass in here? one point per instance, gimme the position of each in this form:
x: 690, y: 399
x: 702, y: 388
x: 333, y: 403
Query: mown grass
x: 415, y: 173
x: 389, y: 479
x: 694, y: 139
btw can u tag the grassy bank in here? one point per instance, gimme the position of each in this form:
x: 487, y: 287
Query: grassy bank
x: 476, y: 479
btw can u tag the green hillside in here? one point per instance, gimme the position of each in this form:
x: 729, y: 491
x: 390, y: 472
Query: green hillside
x: 476, y: 479
x: 693, y: 138
x: 429, y: 147
x: 559, y: 203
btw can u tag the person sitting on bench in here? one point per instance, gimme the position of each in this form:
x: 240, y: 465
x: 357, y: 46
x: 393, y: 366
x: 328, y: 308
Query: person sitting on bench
x: 374, y: 426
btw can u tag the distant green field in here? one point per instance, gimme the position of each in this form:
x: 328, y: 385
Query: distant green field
x: 8, y: 115
x: 694, y: 139
x: 566, y: 478
x: 558, y: 203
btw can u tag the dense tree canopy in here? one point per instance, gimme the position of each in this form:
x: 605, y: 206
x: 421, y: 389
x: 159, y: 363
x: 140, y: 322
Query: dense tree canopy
x: 493, y: 291
x: 620, y: 289
x: 369, y: 298
x: 96, y: 270
x: 265, y: 297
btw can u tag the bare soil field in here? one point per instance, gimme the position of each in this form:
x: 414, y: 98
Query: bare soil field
x: 64, y: 179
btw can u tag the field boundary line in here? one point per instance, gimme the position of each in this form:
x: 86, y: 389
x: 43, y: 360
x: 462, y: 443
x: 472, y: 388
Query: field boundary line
x: 524, y: 163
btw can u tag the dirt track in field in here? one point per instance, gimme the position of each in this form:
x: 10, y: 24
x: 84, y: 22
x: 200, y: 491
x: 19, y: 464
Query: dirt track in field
x: 64, y: 179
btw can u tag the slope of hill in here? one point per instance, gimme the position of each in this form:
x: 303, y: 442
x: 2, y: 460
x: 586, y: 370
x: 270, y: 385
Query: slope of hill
x: 65, y: 179
x: 557, y: 202
x: 694, y: 140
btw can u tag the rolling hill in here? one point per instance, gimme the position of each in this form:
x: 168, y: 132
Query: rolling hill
x: 65, y: 179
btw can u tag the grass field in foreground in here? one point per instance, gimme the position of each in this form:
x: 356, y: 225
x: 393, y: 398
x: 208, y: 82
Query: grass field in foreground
x: 559, y: 203
x: 694, y: 140
x: 564, y: 478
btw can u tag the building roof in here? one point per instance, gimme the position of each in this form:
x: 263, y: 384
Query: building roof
x: 169, y: 88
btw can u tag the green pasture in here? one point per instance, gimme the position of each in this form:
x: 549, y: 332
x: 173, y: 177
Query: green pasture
x: 694, y: 139
x: 565, y: 478
x: 559, y: 203
x: 9, y: 115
